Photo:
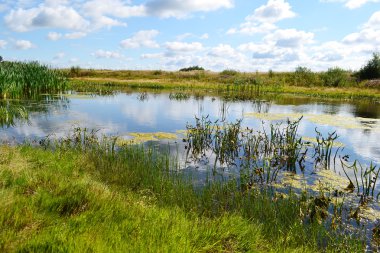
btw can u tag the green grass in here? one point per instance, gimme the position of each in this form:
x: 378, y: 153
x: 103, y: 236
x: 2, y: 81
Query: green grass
x: 29, y: 79
x: 332, y: 84
x: 77, y: 199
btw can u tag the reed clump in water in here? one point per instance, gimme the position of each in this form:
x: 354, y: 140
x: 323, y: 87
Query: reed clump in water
x: 259, y: 155
x: 29, y: 79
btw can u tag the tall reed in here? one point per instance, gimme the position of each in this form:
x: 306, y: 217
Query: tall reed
x: 29, y: 79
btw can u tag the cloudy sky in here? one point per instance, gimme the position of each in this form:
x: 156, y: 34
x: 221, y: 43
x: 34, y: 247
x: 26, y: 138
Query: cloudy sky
x: 246, y: 35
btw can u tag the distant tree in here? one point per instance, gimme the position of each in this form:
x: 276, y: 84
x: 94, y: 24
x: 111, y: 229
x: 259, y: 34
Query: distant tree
x: 270, y: 73
x: 371, y: 70
x: 1, y: 58
x: 192, y: 68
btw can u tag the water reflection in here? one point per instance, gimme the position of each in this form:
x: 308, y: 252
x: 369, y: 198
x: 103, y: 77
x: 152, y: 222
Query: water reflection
x: 16, y: 112
x: 119, y: 113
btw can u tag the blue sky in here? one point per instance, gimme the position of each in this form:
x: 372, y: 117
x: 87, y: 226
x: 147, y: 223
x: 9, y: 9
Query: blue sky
x: 245, y: 35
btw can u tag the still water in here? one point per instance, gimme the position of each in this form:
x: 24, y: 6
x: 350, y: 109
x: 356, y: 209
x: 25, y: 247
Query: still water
x: 357, y: 124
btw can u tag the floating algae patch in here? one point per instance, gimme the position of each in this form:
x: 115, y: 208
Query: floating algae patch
x: 336, y: 144
x: 273, y: 116
x: 296, y: 181
x: 137, y: 138
x: 344, y: 121
x: 328, y: 180
x: 79, y: 96
x: 369, y: 213
x: 322, y: 119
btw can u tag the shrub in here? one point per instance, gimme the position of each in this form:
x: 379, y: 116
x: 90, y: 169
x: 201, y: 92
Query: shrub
x: 335, y: 77
x: 192, y: 68
x: 74, y: 71
x: 229, y: 72
x: 371, y: 70
x: 304, y: 77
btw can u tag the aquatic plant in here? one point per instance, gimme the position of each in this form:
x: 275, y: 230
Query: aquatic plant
x: 179, y: 96
x: 29, y: 79
x: 323, y: 149
x: 365, y: 179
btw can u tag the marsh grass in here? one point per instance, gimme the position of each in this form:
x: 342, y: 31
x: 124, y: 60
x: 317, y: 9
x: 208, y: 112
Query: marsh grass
x: 29, y: 79
x: 80, y: 193
x: 260, y: 155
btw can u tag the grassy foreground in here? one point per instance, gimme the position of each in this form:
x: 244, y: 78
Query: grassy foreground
x: 94, y: 199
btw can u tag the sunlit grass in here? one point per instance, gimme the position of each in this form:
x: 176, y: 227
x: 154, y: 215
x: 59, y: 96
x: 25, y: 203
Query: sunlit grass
x: 81, y: 197
x: 29, y: 79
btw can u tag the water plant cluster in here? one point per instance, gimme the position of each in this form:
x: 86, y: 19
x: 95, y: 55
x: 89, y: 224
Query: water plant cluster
x: 263, y: 157
x: 29, y: 79
x: 83, y: 193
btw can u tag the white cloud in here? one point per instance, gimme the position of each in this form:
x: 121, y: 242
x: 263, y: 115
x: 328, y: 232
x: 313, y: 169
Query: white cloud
x: 141, y: 39
x: 264, y: 18
x: 54, y: 36
x: 352, y: 4
x: 152, y: 56
x: 289, y: 38
x: 115, y: 8
x: 204, y: 36
x: 177, y: 46
x: 23, y: 44
x: 223, y: 50
x: 366, y: 40
x: 374, y: 21
x: 182, y: 8
x: 59, y: 55
x: 74, y: 35
x: 3, y: 43
x: 272, y: 12
x: 107, y: 54
x: 22, y: 20
x: 87, y: 16
x: 184, y: 36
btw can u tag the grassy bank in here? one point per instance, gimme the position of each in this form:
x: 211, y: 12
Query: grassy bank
x: 92, y: 198
x: 246, y: 83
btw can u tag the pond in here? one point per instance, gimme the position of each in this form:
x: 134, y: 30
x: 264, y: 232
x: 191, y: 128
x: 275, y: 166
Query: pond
x: 357, y: 124
x: 161, y: 118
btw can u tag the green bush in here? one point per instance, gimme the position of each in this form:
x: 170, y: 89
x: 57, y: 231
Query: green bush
x: 74, y: 71
x: 371, y: 70
x: 335, y: 77
x: 192, y: 68
x: 229, y: 72
x: 304, y: 77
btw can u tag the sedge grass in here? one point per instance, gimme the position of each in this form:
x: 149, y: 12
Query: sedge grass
x: 68, y: 197
x: 29, y: 79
